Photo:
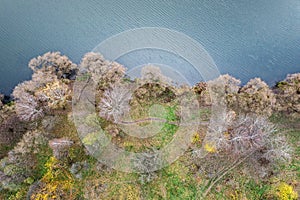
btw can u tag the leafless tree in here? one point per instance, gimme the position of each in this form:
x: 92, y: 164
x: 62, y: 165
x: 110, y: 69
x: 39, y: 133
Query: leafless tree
x: 243, y: 133
x: 27, y: 107
x: 27, y: 104
x: 243, y: 138
x: 115, y: 103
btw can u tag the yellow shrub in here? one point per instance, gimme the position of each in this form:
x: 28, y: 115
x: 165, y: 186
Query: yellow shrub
x: 286, y: 192
x: 56, y: 183
x: 210, y: 147
x: 56, y: 93
x: 129, y: 192
x: 195, y: 138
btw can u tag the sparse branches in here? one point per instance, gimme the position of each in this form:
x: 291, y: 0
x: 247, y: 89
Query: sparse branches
x: 115, y: 103
x: 27, y: 105
x: 244, y: 133
x: 277, y: 149
x: 247, y: 133
x: 28, y: 108
x: 244, y: 138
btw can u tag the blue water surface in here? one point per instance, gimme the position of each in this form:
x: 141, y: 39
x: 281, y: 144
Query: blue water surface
x: 245, y: 38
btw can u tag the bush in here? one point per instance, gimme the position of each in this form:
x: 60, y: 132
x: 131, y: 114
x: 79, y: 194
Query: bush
x: 286, y: 192
x: 21, y: 161
x: 103, y: 72
x: 57, y: 183
x: 154, y: 74
x: 256, y: 97
x: 57, y: 94
x: 1, y: 99
x: 224, y: 90
x: 11, y: 130
x: 288, y: 94
x: 38, y: 96
x: 202, y: 92
x: 48, y: 87
x: 54, y: 63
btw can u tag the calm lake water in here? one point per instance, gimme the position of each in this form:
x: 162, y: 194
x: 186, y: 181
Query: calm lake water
x: 245, y: 38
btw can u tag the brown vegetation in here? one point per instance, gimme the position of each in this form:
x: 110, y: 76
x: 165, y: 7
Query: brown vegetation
x: 239, y: 136
x: 288, y: 94
x: 47, y: 90
x: 104, y: 73
x: 256, y: 97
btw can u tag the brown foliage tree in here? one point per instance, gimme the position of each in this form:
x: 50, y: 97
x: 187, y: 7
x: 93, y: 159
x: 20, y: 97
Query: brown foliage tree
x: 103, y: 72
x: 54, y: 63
x: 11, y: 129
x: 288, y: 94
x: 202, y: 92
x: 256, y: 97
x: 43, y: 93
x: 224, y: 90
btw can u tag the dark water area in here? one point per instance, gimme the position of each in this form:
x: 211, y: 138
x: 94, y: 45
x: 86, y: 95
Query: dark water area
x: 246, y: 39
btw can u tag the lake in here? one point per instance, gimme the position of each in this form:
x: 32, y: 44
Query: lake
x: 259, y: 38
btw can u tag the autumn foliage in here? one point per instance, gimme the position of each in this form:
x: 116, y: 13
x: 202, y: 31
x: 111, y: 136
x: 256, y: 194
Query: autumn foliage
x: 288, y: 94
